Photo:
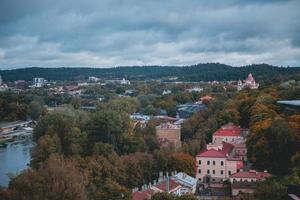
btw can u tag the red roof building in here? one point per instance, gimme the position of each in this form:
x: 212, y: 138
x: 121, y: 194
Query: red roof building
x: 246, y: 182
x: 143, y: 195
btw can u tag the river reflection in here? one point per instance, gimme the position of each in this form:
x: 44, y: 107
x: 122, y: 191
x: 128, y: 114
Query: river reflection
x: 14, y: 158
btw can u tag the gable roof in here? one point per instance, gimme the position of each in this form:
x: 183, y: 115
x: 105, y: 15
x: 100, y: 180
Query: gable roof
x: 251, y: 174
x: 220, y: 153
x: 228, y: 130
x: 143, y: 195
x: 163, y: 185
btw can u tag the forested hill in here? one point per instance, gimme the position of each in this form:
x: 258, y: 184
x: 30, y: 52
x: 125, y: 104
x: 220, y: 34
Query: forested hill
x: 204, y: 72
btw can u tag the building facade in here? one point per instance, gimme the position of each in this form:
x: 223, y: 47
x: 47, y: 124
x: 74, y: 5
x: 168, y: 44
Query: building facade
x: 217, y: 163
x: 169, y: 134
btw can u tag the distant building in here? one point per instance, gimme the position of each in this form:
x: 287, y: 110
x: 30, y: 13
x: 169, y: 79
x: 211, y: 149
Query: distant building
x: 245, y: 182
x: 125, y: 82
x: 38, y: 82
x: 248, y: 83
x: 169, y: 134
x: 93, y: 79
x: 188, y: 109
x: 206, y: 99
x: 195, y: 89
x: 2, y: 86
x: 165, y: 92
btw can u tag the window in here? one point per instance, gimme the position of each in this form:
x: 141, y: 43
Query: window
x: 199, y: 162
x: 208, y: 162
x: 229, y: 172
x: 208, y: 171
x: 222, y: 172
x: 222, y: 163
x: 199, y: 179
x: 214, y: 171
x: 199, y: 171
x: 214, y: 162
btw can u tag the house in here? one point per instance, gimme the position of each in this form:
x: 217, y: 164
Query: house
x: 169, y: 134
x: 234, y: 135
x: 177, y: 184
x: 245, y: 182
x: 189, y: 182
x: 217, y: 163
x: 228, y: 133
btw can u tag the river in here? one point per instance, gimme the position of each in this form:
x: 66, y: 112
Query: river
x: 14, y: 158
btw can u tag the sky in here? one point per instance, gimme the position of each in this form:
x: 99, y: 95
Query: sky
x: 108, y: 33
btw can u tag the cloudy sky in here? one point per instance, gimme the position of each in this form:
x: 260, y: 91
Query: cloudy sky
x: 106, y: 33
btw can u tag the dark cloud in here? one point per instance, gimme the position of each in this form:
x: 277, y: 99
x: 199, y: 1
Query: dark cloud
x: 132, y: 32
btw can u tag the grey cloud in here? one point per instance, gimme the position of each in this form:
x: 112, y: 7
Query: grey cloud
x: 130, y: 32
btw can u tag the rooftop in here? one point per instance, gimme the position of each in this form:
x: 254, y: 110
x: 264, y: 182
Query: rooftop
x: 228, y: 130
x: 290, y: 102
x: 251, y: 174
x: 220, y: 153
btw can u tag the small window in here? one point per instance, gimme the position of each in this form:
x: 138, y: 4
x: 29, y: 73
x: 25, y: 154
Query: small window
x: 199, y: 171
x: 222, y: 163
x: 199, y: 162
x: 208, y: 171
x: 214, y: 171
x: 208, y: 162
x: 199, y: 179
x: 229, y: 172
x: 214, y: 162
x: 222, y: 172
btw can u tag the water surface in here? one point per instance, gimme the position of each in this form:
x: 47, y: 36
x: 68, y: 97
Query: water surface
x: 14, y: 158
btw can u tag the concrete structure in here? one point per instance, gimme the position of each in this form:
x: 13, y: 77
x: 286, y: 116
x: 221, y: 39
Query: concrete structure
x: 169, y: 134
x: 245, y: 182
x: 248, y: 83
x: 217, y: 162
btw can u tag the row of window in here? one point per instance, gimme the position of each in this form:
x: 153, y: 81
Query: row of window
x: 213, y: 162
x: 214, y: 172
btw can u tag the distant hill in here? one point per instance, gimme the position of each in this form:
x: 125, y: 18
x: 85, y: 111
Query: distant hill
x: 199, y: 72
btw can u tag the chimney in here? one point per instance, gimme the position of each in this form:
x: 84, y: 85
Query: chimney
x: 168, y: 184
x: 167, y: 174
x: 160, y: 178
x: 154, y: 182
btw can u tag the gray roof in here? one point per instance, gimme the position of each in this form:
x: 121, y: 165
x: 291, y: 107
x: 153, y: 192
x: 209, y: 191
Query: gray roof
x: 290, y: 102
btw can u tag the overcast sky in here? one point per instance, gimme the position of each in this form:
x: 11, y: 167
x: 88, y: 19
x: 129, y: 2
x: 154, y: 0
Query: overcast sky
x: 107, y: 33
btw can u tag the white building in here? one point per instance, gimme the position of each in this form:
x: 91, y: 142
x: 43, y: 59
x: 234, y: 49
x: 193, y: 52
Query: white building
x: 38, y: 82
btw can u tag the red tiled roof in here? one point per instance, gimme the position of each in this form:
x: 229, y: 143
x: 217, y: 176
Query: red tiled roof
x: 206, y: 97
x: 163, y: 185
x: 228, y: 130
x: 143, y: 195
x: 223, y: 153
x: 251, y: 174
